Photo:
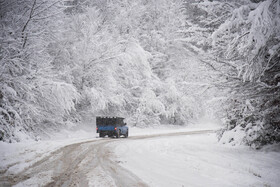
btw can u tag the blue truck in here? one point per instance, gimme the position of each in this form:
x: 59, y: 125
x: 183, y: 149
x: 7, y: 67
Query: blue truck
x: 111, y: 126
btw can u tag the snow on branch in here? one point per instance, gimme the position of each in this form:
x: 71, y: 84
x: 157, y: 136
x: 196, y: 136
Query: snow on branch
x: 250, y: 30
x: 61, y: 96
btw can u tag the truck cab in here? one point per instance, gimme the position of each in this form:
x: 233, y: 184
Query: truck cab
x: 111, y: 126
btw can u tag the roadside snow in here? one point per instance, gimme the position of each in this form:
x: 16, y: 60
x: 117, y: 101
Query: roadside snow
x: 15, y: 157
x: 199, y: 160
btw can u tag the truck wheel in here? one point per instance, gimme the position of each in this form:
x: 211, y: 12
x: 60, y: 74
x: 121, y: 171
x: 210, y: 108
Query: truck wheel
x: 101, y: 134
x: 126, y: 134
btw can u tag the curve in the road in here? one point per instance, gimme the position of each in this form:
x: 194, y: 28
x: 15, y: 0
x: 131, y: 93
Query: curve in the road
x: 88, y: 163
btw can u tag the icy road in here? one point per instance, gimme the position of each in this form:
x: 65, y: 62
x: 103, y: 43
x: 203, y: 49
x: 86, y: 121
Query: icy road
x: 173, y: 159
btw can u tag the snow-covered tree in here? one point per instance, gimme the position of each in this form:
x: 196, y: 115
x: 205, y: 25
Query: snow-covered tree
x: 153, y: 62
x: 28, y: 85
x: 249, y: 42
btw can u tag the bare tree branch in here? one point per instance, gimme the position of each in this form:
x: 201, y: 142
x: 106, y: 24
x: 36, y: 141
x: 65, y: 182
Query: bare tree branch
x: 25, y: 26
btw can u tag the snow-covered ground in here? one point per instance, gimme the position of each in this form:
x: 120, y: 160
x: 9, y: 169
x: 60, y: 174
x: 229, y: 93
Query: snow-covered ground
x: 199, y: 160
x: 192, y: 160
x: 18, y: 156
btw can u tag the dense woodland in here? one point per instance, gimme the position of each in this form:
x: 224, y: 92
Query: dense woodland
x: 154, y: 62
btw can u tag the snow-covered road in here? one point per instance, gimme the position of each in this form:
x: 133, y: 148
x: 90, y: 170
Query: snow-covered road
x: 191, y: 158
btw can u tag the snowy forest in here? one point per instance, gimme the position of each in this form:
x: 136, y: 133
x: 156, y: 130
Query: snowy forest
x: 151, y: 61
